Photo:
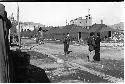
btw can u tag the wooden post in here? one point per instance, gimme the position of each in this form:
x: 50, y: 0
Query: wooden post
x: 18, y: 25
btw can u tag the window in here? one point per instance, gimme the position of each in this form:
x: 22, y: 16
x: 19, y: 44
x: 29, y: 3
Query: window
x: 79, y: 22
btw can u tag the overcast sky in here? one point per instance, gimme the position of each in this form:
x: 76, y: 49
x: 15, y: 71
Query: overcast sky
x: 56, y: 13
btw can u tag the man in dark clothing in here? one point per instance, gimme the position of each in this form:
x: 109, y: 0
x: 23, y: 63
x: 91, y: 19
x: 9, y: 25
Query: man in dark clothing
x: 40, y: 36
x: 11, y: 40
x: 91, y: 44
x: 66, y: 43
x: 97, y: 47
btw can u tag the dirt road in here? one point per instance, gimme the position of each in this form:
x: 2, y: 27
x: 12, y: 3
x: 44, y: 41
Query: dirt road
x: 75, y: 68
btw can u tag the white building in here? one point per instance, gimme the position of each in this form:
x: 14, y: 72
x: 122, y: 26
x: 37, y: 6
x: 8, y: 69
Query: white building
x: 82, y: 22
x: 30, y: 27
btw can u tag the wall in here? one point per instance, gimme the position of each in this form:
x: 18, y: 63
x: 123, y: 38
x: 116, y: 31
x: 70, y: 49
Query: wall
x: 78, y: 22
x: 89, y: 20
x: 82, y: 22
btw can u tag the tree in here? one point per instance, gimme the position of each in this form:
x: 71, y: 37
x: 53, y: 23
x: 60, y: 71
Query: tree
x: 13, y: 28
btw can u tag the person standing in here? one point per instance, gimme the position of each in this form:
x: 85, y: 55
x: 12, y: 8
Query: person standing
x: 97, y: 47
x: 11, y: 40
x: 40, y: 36
x: 91, y: 44
x: 66, y: 44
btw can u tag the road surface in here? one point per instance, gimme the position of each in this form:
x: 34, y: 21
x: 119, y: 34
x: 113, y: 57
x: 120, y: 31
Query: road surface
x: 74, y: 67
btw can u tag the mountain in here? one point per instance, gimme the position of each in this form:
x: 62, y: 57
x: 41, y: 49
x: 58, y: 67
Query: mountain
x: 119, y: 26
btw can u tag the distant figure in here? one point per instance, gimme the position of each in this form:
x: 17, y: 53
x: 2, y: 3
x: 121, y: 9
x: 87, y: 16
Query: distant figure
x: 97, y: 47
x: 16, y: 38
x: 66, y: 43
x: 91, y: 44
x: 40, y: 36
x: 11, y: 40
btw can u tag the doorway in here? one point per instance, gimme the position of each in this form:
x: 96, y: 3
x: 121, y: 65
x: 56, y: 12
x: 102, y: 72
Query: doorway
x: 79, y: 36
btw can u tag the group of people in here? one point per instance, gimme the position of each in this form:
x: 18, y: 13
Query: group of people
x: 94, y: 46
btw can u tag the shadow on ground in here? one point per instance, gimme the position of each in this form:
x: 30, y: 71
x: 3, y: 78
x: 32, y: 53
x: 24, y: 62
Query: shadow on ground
x: 21, y: 71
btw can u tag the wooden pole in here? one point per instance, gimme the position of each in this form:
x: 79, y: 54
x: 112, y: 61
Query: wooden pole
x: 18, y: 25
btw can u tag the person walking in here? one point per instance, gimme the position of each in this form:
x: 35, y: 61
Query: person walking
x: 66, y: 44
x: 97, y: 47
x: 91, y: 44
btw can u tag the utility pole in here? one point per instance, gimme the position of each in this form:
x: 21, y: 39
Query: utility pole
x: 18, y: 25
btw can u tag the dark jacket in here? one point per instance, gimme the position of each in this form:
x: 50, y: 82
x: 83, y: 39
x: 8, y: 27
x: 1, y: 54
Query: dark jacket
x: 97, y: 41
x: 66, y: 40
x: 91, y: 43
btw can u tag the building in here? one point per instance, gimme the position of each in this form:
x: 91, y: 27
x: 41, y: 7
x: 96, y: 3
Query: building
x: 87, y: 22
x: 30, y: 25
x: 27, y: 26
x: 78, y: 33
